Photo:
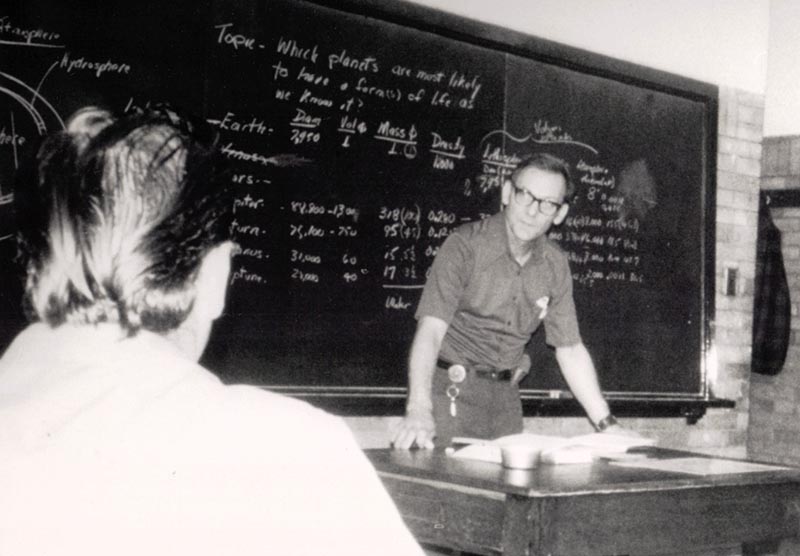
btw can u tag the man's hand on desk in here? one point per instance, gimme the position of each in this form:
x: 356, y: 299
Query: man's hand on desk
x: 416, y: 429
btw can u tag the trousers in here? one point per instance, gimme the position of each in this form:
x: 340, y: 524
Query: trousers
x: 484, y: 408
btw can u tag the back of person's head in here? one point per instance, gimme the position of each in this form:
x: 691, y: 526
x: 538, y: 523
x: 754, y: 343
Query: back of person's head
x: 548, y: 163
x: 119, y: 217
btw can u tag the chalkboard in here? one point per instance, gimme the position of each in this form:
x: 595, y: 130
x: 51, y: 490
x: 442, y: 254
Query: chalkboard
x: 360, y: 136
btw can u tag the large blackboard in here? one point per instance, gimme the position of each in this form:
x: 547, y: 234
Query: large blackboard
x: 361, y: 134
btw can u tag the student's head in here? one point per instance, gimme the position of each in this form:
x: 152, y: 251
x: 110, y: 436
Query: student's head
x: 536, y: 196
x: 126, y: 222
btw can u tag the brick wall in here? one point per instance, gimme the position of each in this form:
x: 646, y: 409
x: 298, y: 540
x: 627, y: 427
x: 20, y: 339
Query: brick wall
x: 774, y: 431
x: 720, y: 431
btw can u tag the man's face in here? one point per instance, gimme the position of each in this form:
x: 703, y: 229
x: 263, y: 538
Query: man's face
x: 534, y: 193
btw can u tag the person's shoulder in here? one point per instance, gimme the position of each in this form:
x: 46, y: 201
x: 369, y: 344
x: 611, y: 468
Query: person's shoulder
x: 553, y: 250
x: 483, y: 229
x: 280, y: 415
x: 555, y: 256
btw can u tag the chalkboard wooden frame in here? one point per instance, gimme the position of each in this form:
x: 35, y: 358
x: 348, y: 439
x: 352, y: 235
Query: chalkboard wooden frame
x: 386, y: 401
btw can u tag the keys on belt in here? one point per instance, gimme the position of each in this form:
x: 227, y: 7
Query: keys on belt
x: 457, y: 373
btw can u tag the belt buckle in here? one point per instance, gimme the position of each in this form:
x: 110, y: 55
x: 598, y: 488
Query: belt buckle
x: 457, y: 373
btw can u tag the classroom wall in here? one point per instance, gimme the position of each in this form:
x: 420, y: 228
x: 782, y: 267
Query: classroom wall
x: 774, y: 431
x: 740, y: 73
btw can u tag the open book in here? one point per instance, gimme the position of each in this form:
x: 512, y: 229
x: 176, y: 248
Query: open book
x: 555, y: 449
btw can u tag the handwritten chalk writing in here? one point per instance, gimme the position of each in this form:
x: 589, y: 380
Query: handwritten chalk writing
x: 280, y: 94
x: 301, y: 276
x: 244, y: 275
x: 237, y: 229
x: 281, y: 72
x: 248, y: 179
x: 387, y: 130
x: 299, y: 256
x: 442, y: 163
x: 460, y: 81
x: 496, y: 156
x: 300, y: 136
x: 545, y: 133
x: 430, y: 77
x: 344, y: 60
x: 235, y: 40
x: 402, y: 230
x: 362, y: 86
x: 308, y: 98
x: 253, y: 253
x: 431, y: 250
x: 346, y: 231
x: 349, y: 259
x: 301, y: 231
x: 292, y: 49
x: 588, y: 277
x: 443, y: 147
x: 247, y: 202
x: 589, y: 179
x: 229, y: 123
x: 441, y: 99
x: 390, y: 254
x: 441, y: 217
x: 351, y: 124
x: 99, y: 68
x: 304, y: 119
x: 237, y: 154
x: 439, y: 232
x: 401, y: 214
x: 624, y: 224
x: 583, y: 221
x: 311, y: 78
x: 593, y: 169
x: 396, y: 302
x: 339, y: 210
x: 29, y: 35
x: 343, y: 211
x: 401, y: 71
x: 11, y: 139
x: 305, y: 208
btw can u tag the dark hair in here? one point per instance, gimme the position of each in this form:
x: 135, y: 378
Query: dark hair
x: 549, y: 163
x: 118, y: 217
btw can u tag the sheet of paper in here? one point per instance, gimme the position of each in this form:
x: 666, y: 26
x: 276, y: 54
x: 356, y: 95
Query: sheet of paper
x: 555, y: 449
x: 700, y: 466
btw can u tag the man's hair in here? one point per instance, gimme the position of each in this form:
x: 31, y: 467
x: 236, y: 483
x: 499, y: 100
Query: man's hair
x: 548, y: 163
x: 118, y: 217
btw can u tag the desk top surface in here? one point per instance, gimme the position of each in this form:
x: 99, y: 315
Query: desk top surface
x: 600, y: 476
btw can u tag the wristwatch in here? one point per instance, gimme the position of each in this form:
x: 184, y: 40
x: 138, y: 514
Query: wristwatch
x: 607, y: 421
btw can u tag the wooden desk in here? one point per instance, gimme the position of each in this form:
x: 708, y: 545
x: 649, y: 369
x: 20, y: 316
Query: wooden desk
x: 582, y: 509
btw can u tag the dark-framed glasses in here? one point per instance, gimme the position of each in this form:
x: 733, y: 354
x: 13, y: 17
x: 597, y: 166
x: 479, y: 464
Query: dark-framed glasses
x: 526, y: 199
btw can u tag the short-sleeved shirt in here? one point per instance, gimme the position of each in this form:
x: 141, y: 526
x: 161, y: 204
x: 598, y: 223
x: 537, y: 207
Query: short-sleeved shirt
x: 492, y: 304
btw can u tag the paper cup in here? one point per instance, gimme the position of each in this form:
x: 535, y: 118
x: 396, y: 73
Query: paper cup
x: 520, y: 456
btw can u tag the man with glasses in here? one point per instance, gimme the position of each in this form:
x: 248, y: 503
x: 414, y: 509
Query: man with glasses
x: 491, y: 285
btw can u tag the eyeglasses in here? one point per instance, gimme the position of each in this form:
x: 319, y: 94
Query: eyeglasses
x: 526, y: 199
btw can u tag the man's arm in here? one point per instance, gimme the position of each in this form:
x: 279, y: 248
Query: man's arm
x: 418, y: 426
x: 578, y: 370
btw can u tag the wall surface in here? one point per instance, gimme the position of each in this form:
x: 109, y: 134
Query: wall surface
x: 719, y: 41
x: 774, y: 430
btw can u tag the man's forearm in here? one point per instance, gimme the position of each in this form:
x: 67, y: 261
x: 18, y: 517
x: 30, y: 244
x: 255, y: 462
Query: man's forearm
x: 579, y: 372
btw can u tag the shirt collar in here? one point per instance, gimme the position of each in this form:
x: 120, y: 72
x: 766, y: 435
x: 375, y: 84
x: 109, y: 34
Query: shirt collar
x: 498, y: 238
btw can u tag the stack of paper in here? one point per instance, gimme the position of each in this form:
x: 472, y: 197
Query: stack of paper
x: 555, y: 449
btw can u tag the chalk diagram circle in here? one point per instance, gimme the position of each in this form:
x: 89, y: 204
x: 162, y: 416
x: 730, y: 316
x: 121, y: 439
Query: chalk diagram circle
x: 25, y: 114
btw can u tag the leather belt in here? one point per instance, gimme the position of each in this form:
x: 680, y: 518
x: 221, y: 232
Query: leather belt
x: 499, y: 375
